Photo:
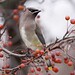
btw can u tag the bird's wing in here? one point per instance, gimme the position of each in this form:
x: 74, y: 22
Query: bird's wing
x: 39, y: 35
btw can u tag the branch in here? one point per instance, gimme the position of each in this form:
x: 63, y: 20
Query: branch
x: 3, y: 32
x: 51, y: 46
x: 9, y: 68
x: 8, y: 18
x: 60, y: 42
x: 11, y: 53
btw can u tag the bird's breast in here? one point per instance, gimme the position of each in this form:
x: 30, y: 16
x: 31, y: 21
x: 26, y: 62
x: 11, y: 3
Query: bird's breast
x: 30, y: 39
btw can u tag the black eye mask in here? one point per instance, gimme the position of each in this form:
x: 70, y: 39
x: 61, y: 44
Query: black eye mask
x: 34, y: 11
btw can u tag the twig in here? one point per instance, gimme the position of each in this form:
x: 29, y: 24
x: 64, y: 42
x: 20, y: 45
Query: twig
x: 3, y: 32
x: 60, y: 42
x: 51, y: 46
x: 11, y: 53
x: 5, y: 23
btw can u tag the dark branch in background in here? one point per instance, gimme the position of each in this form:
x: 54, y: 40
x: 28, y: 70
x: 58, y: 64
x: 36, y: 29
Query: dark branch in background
x: 3, y: 32
x: 5, y: 24
x: 8, y: 2
x: 11, y: 4
x: 7, y: 19
x: 22, y: 2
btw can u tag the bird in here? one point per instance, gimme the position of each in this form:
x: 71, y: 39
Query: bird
x: 30, y: 31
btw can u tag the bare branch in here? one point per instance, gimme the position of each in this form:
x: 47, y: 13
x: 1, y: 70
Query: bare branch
x: 7, y: 19
x: 11, y: 53
x: 3, y: 32
x: 60, y: 42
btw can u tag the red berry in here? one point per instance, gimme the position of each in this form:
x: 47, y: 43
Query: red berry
x: 38, y: 69
x: 66, y: 60
x: 55, y: 69
x: 15, y: 11
x: 1, y: 49
x: 70, y: 63
x: 37, y: 51
x: 58, y: 53
x: 46, y: 57
x: 16, y: 17
x: 53, y: 56
x: 72, y: 21
x: 20, y: 7
x: 1, y: 26
x: 7, y: 71
x: 22, y: 65
x: 7, y: 66
x: 58, y: 60
x: 41, y: 52
x: 54, y: 59
x: 32, y: 70
x: 1, y: 55
x: 4, y: 67
x: 67, y: 17
x: 9, y: 43
x: 72, y: 73
x: 46, y: 68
